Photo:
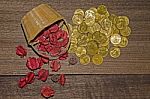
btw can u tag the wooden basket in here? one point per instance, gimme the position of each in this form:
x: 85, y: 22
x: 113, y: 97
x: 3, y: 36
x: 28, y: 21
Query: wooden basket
x: 37, y: 20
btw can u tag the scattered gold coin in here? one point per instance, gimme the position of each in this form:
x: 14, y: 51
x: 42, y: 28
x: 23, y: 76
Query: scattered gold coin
x: 105, y: 43
x: 96, y: 27
x: 106, y: 24
x: 79, y: 11
x: 97, y: 59
x: 103, y: 51
x: 89, y: 37
x: 82, y: 40
x: 75, y: 33
x: 126, y: 31
x: 77, y: 19
x: 93, y: 9
x: 100, y: 37
x: 72, y: 48
x: 82, y: 28
x: 114, y: 52
x: 124, y: 42
x: 74, y: 40
x: 92, y: 48
x: 102, y: 9
x: 89, y: 17
x: 114, y: 30
x: 80, y: 51
x: 122, y: 21
x: 115, y: 39
x: 90, y: 29
x: 85, y: 59
x: 112, y: 18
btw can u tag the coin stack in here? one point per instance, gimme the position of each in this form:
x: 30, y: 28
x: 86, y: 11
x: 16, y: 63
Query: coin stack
x: 96, y: 32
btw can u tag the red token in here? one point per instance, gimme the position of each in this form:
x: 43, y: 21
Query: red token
x: 43, y: 40
x: 44, y: 60
x: 47, y: 91
x: 32, y: 63
x: 22, y: 83
x: 40, y: 61
x: 30, y: 77
x: 21, y: 51
x: 46, y: 33
x: 55, y: 51
x: 62, y: 79
x: 43, y: 74
x: 48, y: 48
x: 54, y: 28
x: 55, y: 65
x: 63, y: 56
x: 41, y: 47
x: 53, y: 38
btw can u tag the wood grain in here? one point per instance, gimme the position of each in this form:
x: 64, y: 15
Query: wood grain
x: 134, y: 59
x: 82, y: 87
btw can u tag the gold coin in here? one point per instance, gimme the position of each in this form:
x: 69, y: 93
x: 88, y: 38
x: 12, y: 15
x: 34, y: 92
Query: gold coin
x: 106, y: 32
x: 107, y: 14
x: 126, y: 20
x: 79, y: 11
x: 114, y: 30
x: 74, y: 27
x: 105, y: 43
x: 73, y: 40
x: 82, y: 28
x: 115, y: 39
x: 114, y: 52
x: 90, y: 29
x: 122, y: 21
x: 107, y: 46
x: 85, y: 59
x: 80, y: 51
x: 92, y: 48
x: 96, y: 27
x: 77, y: 19
x: 124, y: 42
x: 102, y: 9
x: 75, y: 33
x: 93, y: 9
x: 112, y: 18
x: 99, y: 37
x: 82, y: 40
x: 106, y: 24
x: 97, y: 17
x: 89, y: 13
x: 89, y: 17
x: 103, y: 51
x: 125, y: 31
x: 97, y: 59
x: 89, y: 37
x: 70, y: 28
x: 72, y: 48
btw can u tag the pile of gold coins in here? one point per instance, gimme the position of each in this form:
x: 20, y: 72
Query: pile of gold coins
x: 96, y: 33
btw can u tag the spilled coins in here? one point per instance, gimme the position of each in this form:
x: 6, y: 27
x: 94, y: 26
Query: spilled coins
x: 96, y: 33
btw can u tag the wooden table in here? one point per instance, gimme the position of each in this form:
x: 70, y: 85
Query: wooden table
x: 134, y: 59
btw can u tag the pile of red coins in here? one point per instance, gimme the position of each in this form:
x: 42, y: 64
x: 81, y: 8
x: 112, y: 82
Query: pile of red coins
x: 52, y: 43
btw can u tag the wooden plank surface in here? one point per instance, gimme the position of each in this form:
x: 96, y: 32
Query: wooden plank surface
x: 134, y: 59
x: 82, y: 87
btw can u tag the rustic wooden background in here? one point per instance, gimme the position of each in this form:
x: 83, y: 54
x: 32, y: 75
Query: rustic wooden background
x: 134, y: 59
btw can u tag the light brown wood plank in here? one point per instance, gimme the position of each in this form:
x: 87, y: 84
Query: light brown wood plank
x: 81, y: 87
